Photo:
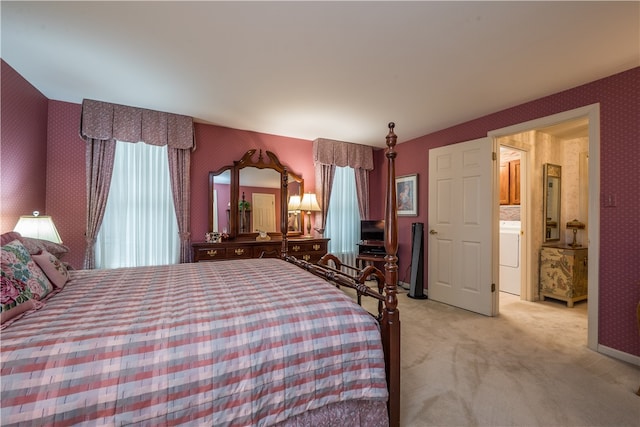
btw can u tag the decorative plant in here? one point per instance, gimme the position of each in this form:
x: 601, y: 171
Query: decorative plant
x: 244, y: 204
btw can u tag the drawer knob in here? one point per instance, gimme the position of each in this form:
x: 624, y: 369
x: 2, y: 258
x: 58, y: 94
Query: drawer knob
x: 239, y: 251
x: 296, y: 248
x: 306, y: 257
x: 316, y: 247
x: 212, y: 252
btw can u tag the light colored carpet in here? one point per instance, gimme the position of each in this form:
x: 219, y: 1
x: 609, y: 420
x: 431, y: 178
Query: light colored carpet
x: 529, y: 366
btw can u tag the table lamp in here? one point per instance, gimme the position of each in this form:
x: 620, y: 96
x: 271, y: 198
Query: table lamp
x: 309, y: 204
x: 575, y: 225
x: 294, y: 209
x: 38, y: 226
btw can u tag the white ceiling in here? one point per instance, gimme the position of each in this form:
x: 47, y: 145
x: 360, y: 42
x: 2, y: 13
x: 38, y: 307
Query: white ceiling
x: 338, y: 70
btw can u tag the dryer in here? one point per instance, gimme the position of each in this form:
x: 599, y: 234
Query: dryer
x: 510, y: 257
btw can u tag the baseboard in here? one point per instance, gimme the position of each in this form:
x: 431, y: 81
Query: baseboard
x: 620, y: 355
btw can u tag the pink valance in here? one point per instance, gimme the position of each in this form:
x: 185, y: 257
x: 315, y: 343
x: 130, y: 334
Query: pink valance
x: 102, y: 120
x: 331, y: 152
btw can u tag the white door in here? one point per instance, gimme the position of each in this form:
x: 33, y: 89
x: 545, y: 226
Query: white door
x: 461, y: 251
x: 264, y: 212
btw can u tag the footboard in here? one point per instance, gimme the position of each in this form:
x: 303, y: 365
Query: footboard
x: 337, y: 275
x: 340, y: 274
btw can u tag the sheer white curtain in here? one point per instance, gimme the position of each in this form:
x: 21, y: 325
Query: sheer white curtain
x: 343, y: 218
x: 139, y: 226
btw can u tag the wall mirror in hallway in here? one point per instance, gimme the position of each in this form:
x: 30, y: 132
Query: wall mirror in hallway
x: 551, y: 201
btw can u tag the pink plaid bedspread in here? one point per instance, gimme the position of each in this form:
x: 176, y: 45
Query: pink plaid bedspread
x: 228, y: 343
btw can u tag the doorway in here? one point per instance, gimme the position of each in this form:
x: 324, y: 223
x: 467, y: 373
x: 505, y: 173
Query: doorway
x: 510, y: 225
x: 582, y: 123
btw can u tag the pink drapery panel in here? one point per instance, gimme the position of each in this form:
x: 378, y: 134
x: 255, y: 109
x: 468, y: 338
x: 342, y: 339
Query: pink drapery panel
x: 324, y: 175
x: 101, y: 125
x: 180, y: 171
x: 100, y: 155
x: 362, y: 189
x: 338, y: 153
x: 102, y: 120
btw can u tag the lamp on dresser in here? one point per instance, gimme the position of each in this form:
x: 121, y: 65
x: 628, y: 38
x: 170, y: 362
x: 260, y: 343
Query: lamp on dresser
x: 309, y: 204
x: 294, y: 213
x: 38, y: 226
x: 575, y: 225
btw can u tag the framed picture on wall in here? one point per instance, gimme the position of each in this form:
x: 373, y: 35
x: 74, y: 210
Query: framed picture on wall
x: 407, y: 195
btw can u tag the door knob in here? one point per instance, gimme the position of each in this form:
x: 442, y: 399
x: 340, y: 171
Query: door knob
x: 433, y: 232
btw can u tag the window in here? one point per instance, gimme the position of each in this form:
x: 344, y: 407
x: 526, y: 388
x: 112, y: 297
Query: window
x: 139, y: 226
x: 343, y: 218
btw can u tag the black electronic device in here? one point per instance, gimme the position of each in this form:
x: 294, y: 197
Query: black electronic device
x: 372, y: 230
x: 416, y: 289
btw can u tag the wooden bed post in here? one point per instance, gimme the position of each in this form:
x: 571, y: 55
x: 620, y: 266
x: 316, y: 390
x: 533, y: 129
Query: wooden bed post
x: 391, y: 316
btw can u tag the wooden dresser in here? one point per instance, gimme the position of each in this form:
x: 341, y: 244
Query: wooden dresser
x: 563, y: 273
x: 310, y: 250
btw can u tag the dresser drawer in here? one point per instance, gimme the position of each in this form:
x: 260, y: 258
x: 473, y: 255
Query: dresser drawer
x: 308, y: 250
x: 302, y: 247
x: 239, y: 252
x: 209, y: 254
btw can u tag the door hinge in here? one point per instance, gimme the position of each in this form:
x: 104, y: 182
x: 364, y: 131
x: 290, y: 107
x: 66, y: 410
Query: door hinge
x: 493, y: 287
x: 494, y: 155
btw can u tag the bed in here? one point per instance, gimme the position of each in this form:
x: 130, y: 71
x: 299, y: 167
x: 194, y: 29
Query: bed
x: 231, y: 343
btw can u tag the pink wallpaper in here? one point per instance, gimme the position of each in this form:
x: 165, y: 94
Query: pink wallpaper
x: 22, y: 112
x: 24, y: 155
x: 66, y: 183
x: 619, y: 262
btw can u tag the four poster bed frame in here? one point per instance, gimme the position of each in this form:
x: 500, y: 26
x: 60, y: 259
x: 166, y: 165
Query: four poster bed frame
x: 183, y: 345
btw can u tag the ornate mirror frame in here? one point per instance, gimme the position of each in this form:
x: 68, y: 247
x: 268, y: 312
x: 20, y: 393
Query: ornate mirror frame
x: 239, y: 228
x: 219, y: 199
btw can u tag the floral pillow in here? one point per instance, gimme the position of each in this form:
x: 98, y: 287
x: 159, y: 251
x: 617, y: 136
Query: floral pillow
x: 17, y: 264
x: 54, y: 269
x: 15, y: 299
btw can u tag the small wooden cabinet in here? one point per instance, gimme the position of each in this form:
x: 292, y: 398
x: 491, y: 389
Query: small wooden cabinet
x: 564, y: 273
x: 310, y: 250
x: 510, y: 183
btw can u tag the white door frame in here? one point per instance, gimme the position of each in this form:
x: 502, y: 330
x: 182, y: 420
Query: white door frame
x: 592, y: 113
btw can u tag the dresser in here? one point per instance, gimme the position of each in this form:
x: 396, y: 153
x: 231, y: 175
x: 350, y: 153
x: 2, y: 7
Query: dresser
x: 564, y: 273
x: 310, y: 250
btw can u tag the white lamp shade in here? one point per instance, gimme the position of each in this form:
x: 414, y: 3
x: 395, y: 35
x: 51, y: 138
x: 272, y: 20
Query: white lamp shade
x: 309, y: 203
x: 38, y: 226
x: 294, y: 203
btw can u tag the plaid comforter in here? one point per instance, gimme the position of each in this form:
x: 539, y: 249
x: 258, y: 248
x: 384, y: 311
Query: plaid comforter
x: 243, y: 342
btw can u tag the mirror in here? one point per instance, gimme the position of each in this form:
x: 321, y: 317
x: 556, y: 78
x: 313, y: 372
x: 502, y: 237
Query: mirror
x: 552, y: 175
x: 295, y: 192
x: 259, y: 195
x: 219, y: 200
x: 249, y: 197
